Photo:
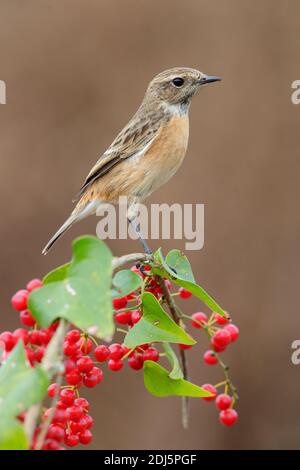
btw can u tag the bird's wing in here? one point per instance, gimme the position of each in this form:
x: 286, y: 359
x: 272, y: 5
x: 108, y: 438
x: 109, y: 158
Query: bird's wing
x: 133, y: 140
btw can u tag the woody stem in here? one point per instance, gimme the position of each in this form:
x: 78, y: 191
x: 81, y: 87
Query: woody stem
x: 176, y: 317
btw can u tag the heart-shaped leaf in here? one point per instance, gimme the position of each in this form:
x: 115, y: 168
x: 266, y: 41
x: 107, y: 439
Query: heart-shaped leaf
x: 163, y: 269
x: 155, y: 326
x: 82, y: 295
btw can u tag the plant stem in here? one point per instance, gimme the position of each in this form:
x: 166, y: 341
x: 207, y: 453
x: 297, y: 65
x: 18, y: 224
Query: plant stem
x: 176, y: 317
x: 131, y: 258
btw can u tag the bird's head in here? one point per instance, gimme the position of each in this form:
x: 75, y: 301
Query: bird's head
x: 177, y: 86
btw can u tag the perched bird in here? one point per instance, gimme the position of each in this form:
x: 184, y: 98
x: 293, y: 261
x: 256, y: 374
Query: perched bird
x: 147, y: 152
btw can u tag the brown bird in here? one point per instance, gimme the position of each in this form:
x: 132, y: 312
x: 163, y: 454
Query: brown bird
x: 147, y: 152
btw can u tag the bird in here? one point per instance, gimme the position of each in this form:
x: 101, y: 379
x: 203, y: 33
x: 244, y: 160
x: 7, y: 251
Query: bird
x: 146, y: 153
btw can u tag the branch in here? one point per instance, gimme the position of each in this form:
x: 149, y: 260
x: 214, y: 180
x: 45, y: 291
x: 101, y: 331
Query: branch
x: 173, y: 310
x: 131, y: 258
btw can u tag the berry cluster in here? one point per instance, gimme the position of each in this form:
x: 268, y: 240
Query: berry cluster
x: 220, y: 333
x: 69, y: 421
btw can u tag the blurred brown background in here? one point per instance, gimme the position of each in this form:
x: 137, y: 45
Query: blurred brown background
x: 75, y: 72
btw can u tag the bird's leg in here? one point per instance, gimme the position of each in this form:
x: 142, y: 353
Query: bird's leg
x: 136, y: 227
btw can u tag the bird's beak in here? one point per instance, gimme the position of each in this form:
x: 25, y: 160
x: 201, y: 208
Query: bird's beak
x: 209, y: 79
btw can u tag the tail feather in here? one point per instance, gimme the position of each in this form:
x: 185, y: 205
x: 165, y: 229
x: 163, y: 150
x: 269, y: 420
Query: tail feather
x: 68, y: 224
x: 76, y: 215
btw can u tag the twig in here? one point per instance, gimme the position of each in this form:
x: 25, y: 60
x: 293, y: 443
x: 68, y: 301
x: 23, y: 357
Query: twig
x: 174, y: 312
x: 131, y: 258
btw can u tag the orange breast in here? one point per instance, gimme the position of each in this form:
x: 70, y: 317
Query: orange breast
x: 166, y: 154
x: 137, y: 178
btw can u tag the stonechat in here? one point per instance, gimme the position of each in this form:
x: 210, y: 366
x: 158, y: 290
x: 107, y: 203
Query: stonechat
x: 147, y: 152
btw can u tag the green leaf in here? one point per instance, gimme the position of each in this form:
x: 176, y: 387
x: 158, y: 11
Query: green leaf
x: 176, y: 372
x: 155, y: 326
x: 12, y: 435
x: 165, y: 271
x: 159, y: 383
x: 83, y: 296
x: 125, y: 282
x: 20, y: 387
x: 57, y: 274
x: 177, y: 261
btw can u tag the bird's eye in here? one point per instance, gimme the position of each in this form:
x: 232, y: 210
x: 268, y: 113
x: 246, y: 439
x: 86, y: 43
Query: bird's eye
x: 178, y: 82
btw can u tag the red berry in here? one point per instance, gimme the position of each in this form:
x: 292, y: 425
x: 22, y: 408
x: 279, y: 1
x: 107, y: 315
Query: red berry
x: 210, y: 358
x: 101, y: 353
x: 185, y: 346
x: 200, y: 317
x: 73, y: 336
x: 142, y: 347
x: 39, y: 354
x: 233, y: 331
x: 53, y: 327
x: 116, y: 351
x: 30, y: 355
x: 70, y: 349
x: 67, y: 396
x: 20, y: 333
x: 93, y: 378
x: 135, y: 316
x: 71, y: 440
x: 60, y: 416
x: 151, y: 354
x: 184, y: 294
x: 123, y: 318
x: 228, y: 417
x: 86, y: 421
x: 69, y: 365
x: 74, y: 412
x: 221, y: 338
x: 135, y: 361
x: 85, y: 436
x: 220, y: 320
x: 34, y: 284
x: 119, y: 303
x: 73, y: 377
x: 36, y: 338
x: 83, y: 402
x: 223, y: 401
x: 51, y: 444
x: 115, y: 364
x: 85, y: 364
x: 53, y: 389
x: 209, y: 388
x: 61, y: 405
x: 55, y: 432
x: 168, y: 284
x: 26, y: 318
x: 45, y: 335
x: 85, y: 345
x: 8, y: 339
x: 217, y: 348
x: 19, y: 300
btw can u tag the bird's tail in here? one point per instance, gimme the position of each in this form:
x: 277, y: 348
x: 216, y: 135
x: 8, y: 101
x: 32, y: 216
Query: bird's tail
x: 79, y: 213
